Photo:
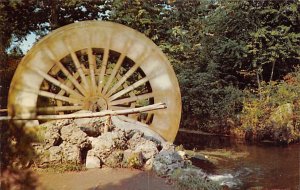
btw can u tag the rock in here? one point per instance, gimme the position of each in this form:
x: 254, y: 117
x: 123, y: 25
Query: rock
x: 167, y: 161
x: 52, y: 132
x: 147, y: 148
x: 149, y: 164
x: 57, y: 123
x: 91, y: 126
x: 92, y: 161
x: 105, y: 144
x: 73, y: 135
x: 168, y: 146
x: 52, y: 136
x: 114, y: 159
x: 55, y: 154
x: 135, y: 137
x: 132, y: 159
x: 190, y: 172
x: 138, y: 143
x: 70, y: 152
x: 182, y: 154
x: 193, y: 178
x: 123, y: 123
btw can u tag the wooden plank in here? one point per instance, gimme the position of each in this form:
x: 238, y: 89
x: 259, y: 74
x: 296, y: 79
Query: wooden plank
x: 91, y: 115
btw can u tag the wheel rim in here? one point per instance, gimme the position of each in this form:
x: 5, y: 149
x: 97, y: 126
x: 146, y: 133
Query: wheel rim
x: 96, y: 65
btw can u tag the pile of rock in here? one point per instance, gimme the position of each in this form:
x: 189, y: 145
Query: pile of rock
x: 84, y: 141
x: 91, y: 143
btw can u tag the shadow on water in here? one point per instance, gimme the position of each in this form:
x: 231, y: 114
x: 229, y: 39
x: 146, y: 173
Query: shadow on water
x: 199, y: 142
x: 265, y: 166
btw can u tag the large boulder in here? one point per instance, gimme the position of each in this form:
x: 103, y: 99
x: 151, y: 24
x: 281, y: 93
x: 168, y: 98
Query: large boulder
x: 55, y: 154
x: 52, y: 129
x: 132, y: 159
x: 122, y: 122
x: 92, y: 161
x: 71, y: 134
x: 167, y: 161
x: 93, y: 127
x: 70, y: 153
x: 115, y: 159
x: 138, y: 143
x: 105, y: 144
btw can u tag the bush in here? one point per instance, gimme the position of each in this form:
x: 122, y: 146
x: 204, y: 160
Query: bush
x: 208, y: 102
x: 272, y: 112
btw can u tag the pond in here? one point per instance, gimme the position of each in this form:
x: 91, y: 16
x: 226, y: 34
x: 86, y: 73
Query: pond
x: 263, y: 166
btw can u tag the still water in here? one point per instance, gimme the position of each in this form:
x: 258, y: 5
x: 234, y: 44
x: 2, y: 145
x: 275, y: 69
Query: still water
x: 264, y: 167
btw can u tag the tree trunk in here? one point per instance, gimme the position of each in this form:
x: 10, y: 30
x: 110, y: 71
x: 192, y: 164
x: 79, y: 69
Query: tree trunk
x: 54, y: 14
x: 3, y: 55
x: 272, y: 71
x: 258, y: 83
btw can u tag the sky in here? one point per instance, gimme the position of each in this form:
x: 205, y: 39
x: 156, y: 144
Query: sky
x: 24, y: 44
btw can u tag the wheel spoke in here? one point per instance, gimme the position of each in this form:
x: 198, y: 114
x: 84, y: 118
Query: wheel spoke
x: 46, y: 94
x: 77, y: 65
x: 128, y: 74
x: 149, y: 117
x: 117, y: 67
x: 66, y: 72
x: 130, y: 88
x: 58, y: 97
x: 92, y: 65
x: 104, y: 65
x: 54, y: 81
x: 132, y: 99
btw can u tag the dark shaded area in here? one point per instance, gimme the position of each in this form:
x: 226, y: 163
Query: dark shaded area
x: 16, y: 153
x: 200, y: 142
x: 204, y: 164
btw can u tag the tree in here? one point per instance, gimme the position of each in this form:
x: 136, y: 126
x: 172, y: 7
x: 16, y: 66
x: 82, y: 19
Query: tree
x: 273, y: 45
x: 19, y: 18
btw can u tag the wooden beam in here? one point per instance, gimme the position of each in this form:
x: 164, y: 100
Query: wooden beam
x: 90, y: 115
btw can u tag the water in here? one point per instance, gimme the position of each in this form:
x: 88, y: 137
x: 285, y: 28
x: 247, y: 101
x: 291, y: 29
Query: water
x: 264, y: 167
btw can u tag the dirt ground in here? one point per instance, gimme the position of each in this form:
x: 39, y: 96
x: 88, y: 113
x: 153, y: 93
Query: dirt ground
x: 102, y: 179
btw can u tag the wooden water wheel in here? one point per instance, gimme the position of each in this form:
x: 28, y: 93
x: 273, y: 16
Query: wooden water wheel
x: 96, y: 65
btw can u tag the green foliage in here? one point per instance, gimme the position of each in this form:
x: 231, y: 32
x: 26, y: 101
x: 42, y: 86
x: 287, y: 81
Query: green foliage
x: 178, y: 29
x: 273, y: 44
x: 272, y: 113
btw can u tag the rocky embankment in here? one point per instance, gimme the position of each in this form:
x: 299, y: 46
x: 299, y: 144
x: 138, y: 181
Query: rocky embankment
x: 105, y: 142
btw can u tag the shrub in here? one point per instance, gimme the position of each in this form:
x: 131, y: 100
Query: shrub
x: 272, y: 112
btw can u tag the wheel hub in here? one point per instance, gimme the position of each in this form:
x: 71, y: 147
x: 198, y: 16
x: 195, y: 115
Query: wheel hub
x: 96, y: 104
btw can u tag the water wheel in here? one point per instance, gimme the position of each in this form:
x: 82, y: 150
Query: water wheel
x: 96, y: 65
